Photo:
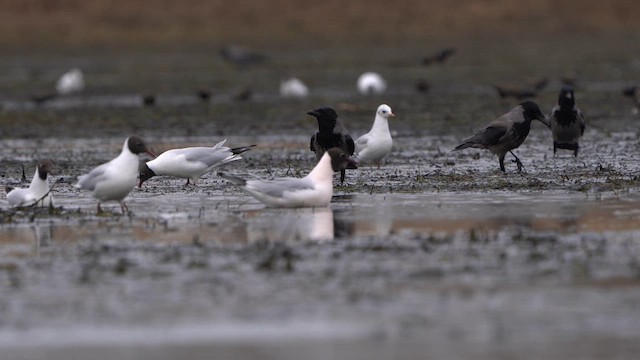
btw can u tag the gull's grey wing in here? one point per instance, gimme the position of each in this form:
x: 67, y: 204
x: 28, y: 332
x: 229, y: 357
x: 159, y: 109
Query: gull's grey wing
x: 90, y: 180
x: 361, y: 143
x: 207, y: 156
x: 278, y: 187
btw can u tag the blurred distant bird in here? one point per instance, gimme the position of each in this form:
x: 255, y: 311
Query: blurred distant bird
x: 376, y: 144
x: 241, y: 55
x: 114, y: 180
x: 37, y: 190
x: 507, y: 132
x: 148, y: 100
x: 521, y: 91
x: 439, y: 57
x: 70, y: 82
x: 313, y: 190
x: 293, y: 88
x: 243, y: 94
x: 423, y: 86
x: 567, y: 122
x: 331, y: 133
x: 634, y: 93
x: 192, y: 162
x: 371, y: 83
x: 204, y: 95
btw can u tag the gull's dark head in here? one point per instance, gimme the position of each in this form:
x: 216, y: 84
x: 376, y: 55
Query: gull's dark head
x: 531, y: 111
x: 340, y: 160
x: 145, y: 174
x: 45, y: 167
x: 567, y: 99
x: 137, y: 146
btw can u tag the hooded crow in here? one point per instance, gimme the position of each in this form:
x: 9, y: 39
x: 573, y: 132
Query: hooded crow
x: 331, y: 133
x: 567, y: 122
x: 506, y: 132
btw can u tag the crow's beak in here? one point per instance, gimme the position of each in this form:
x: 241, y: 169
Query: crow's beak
x: 313, y: 113
x: 545, y: 121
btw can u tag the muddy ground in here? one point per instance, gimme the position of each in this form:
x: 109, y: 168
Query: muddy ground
x: 434, y: 254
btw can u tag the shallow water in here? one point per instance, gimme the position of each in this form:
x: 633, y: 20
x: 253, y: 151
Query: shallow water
x: 435, y: 253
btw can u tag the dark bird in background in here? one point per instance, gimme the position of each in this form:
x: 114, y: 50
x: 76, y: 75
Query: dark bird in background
x: 506, y: 132
x: 423, y: 86
x: 241, y: 55
x: 440, y: 57
x: 331, y: 133
x: 567, y: 122
x: 521, y: 91
x: 634, y: 93
x: 204, y: 95
x: 243, y: 94
x: 148, y: 100
x: 43, y: 98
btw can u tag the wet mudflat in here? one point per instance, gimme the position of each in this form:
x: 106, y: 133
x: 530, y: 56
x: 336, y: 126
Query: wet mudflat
x: 435, y: 253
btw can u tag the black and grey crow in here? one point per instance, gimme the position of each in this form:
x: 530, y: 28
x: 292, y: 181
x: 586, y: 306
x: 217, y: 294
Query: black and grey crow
x: 567, y: 122
x: 506, y: 132
x: 331, y: 133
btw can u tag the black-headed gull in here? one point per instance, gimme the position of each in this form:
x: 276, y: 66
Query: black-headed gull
x: 114, y: 180
x: 192, y: 162
x: 507, y: 132
x: 38, y: 190
x: 293, y: 88
x: 567, y: 122
x: 371, y: 83
x: 313, y: 190
x: 373, y: 146
x: 70, y: 82
x: 331, y: 133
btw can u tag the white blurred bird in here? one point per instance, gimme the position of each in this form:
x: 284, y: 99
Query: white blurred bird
x: 371, y: 83
x: 376, y: 144
x: 293, y: 88
x: 37, y: 190
x: 313, y: 190
x: 70, y: 82
x: 114, y: 180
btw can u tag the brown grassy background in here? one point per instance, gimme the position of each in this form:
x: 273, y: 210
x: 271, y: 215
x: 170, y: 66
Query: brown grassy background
x: 83, y: 22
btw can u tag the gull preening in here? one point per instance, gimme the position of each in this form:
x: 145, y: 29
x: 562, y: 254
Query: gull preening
x: 70, y: 82
x: 371, y: 83
x: 507, y: 132
x: 114, y: 180
x: 192, y: 162
x: 313, y: 190
x: 567, y: 122
x: 373, y: 146
x: 38, y: 190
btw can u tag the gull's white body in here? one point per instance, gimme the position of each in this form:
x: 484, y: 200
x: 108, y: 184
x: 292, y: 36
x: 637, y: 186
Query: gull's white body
x: 192, y: 162
x: 376, y: 144
x: 36, y: 190
x: 371, y: 83
x: 70, y: 82
x: 114, y: 180
x: 313, y: 190
x: 293, y: 88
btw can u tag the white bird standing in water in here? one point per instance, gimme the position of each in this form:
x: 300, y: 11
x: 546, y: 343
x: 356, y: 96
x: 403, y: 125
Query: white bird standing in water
x: 114, y: 180
x: 293, y: 88
x: 70, y: 82
x: 37, y: 190
x: 371, y: 83
x: 313, y: 190
x: 373, y: 146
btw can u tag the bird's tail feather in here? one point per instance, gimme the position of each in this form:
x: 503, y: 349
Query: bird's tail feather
x: 233, y: 179
x: 240, y: 150
x: 464, y: 145
x: 8, y: 189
